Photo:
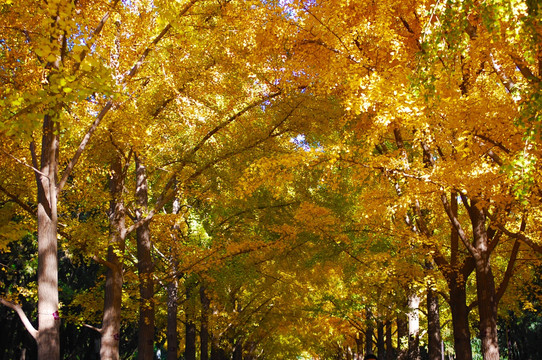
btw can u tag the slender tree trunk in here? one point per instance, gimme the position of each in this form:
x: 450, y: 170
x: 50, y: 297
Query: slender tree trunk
x: 359, y: 345
x: 217, y: 352
x: 238, y: 350
x: 413, y: 327
x: 172, y: 304
x: 369, y: 333
x: 204, y: 329
x: 380, y: 343
x: 460, y: 318
x: 172, y: 299
x: 48, y: 325
x: 456, y: 278
x: 145, y: 269
x: 389, y: 342
x: 109, y: 349
x: 190, y: 325
x: 433, y: 325
x: 402, y: 336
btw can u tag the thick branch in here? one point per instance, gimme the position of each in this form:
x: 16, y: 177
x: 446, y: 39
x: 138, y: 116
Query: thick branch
x: 457, y: 225
x: 505, y: 80
x: 27, y: 324
x: 83, y: 144
x: 496, y: 143
x: 524, y: 69
x: 509, y: 270
x: 103, y: 262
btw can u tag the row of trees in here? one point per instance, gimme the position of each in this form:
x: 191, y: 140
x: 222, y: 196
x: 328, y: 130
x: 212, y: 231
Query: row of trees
x: 287, y: 178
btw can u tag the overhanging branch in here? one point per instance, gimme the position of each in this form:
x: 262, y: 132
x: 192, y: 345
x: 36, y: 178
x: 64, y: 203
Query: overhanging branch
x: 19, y: 310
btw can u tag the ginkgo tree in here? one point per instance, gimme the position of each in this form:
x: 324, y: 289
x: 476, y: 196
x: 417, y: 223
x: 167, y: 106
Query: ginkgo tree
x: 400, y: 135
x: 440, y: 88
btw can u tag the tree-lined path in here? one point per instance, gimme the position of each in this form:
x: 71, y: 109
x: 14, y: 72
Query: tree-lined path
x: 270, y: 179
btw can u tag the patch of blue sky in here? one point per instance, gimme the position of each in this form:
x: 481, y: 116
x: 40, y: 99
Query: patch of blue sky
x: 301, y: 142
x: 265, y: 105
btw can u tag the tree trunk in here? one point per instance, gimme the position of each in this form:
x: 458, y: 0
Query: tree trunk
x: 204, y: 329
x: 456, y: 278
x: 487, y: 308
x: 359, y: 345
x: 145, y: 269
x: 402, y: 336
x: 433, y: 325
x: 172, y: 299
x: 238, y: 350
x: 369, y: 333
x: 190, y: 326
x: 460, y: 317
x: 172, y: 340
x: 389, y: 342
x: 380, y: 343
x: 110, y: 338
x: 485, y: 285
x: 413, y: 327
x: 217, y: 352
x: 48, y: 325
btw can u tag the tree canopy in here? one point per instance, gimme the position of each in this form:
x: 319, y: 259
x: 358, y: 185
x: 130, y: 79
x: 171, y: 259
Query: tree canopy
x: 270, y: 179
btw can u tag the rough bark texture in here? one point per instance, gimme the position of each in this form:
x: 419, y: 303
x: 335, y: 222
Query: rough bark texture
x: 109, y: 349
x: 145, y: 269
x: 48, y: 323
x: 487, y: 308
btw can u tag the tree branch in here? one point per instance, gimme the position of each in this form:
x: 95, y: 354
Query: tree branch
x: 457, y: 225
x: 99, y: 330
x: 521, y: 236
x: 138, y: 64
x: 94, y: 35
x: 509, y: 270
x: 19, y: 310
x: 524, y: 69
x: 326, y: 27
x: 18, y: 201
x: 34, y: 168
x: 109, y: 104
